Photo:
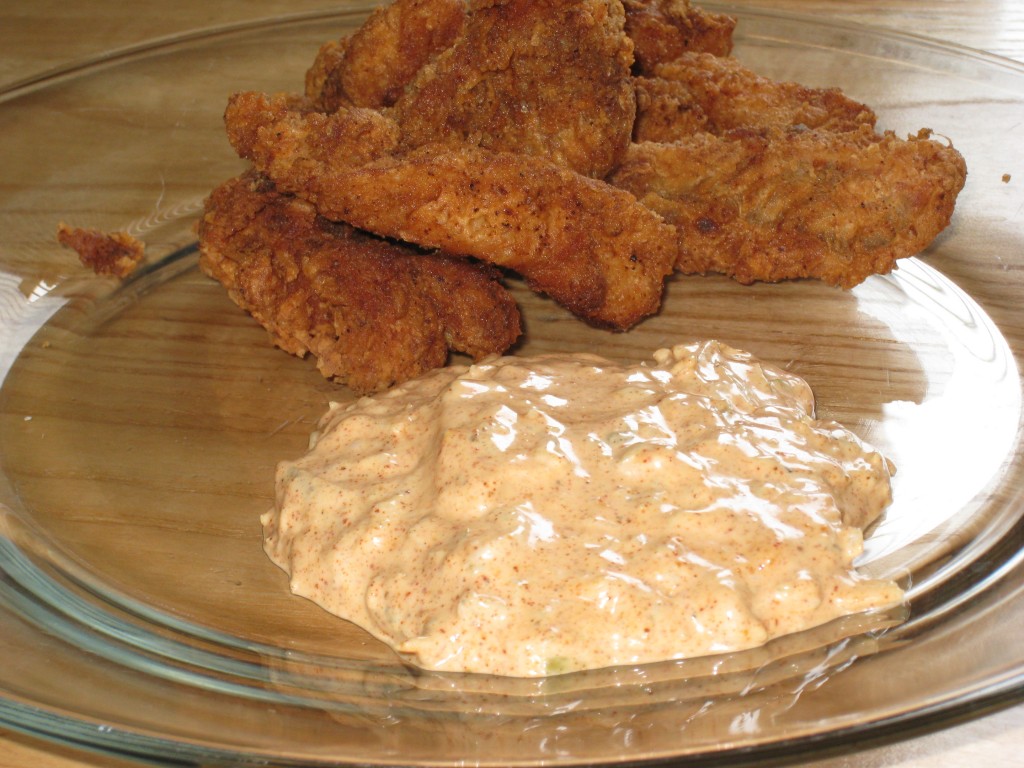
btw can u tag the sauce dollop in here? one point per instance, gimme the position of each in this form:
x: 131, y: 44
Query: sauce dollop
x: 531, y: 516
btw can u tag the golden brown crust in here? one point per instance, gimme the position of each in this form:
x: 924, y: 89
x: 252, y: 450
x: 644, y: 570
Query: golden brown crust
x: 105, y: 253
x: 323, y: 86
x: 372, y: 312
x: 775, y: 204
x: 732, y: 96
x: 549, y: 78
x: 666, y: 111
x: 589, y: 246
x: 268, y: 126
x: 662, y: 30
x: 373, y: 66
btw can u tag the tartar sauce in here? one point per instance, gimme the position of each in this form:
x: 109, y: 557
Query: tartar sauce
x: 531, y: 516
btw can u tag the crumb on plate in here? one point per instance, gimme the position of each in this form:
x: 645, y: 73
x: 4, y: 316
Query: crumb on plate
x: 105, y: 253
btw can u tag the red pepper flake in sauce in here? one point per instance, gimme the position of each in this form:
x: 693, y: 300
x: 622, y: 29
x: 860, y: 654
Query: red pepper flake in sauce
x: 533, y: 516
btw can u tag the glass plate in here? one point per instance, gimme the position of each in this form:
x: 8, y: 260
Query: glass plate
x: 141, y: 423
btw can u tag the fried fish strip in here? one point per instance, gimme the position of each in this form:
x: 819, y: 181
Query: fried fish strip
x: 372, y: 67
x: 662, y: 30
x: 730, y: 96
x: 373, y: 313
x: 773, y: 205
x: 549, y: 78
x: 591, y: 247
x: 282, y: 125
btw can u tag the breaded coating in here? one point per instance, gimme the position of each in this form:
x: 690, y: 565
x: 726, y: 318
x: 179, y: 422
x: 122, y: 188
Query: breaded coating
x: 323, y: 85
x: 373, y: 313
x: 105, y: 253
x: 777, y: 204
x: 373, y: 66
x: 591, y: 247
x: 666, y: 111
x: 733, y: 96
x: 663, y: 30
x: 278, y: 125
x: 549, y: 78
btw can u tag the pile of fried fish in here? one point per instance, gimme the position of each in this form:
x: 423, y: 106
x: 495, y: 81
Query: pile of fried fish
x: 591, y: 147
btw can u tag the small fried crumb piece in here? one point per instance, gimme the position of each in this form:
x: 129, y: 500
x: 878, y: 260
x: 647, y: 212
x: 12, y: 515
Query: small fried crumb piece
x: 105, y: 253
x: 1006, y: 178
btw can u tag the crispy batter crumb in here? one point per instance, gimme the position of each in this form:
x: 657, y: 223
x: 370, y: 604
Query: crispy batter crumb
x: 1006, y: 178
x: 105, y: 253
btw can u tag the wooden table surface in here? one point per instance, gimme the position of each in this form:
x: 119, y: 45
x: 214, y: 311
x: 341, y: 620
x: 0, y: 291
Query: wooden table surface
x: 39, y: 35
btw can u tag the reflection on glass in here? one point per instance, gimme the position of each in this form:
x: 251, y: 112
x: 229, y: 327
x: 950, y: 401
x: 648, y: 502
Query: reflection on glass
x: 21, y: 316
x: 953, y: 443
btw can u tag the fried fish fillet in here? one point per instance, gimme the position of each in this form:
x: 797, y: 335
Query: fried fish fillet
x: 769, y: 205
x: 549, y: 78
x: 282, y: 129
x: 373, y: 313
x: 372, y: 67
x: 662, y: 30
x: 591, y: 247
x: 698, y: 91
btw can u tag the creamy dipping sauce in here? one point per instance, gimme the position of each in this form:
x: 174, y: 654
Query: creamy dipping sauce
x: 530, y: 516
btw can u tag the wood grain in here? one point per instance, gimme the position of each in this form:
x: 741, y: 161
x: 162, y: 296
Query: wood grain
x: 39, y: 36
x: 994, y: 26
